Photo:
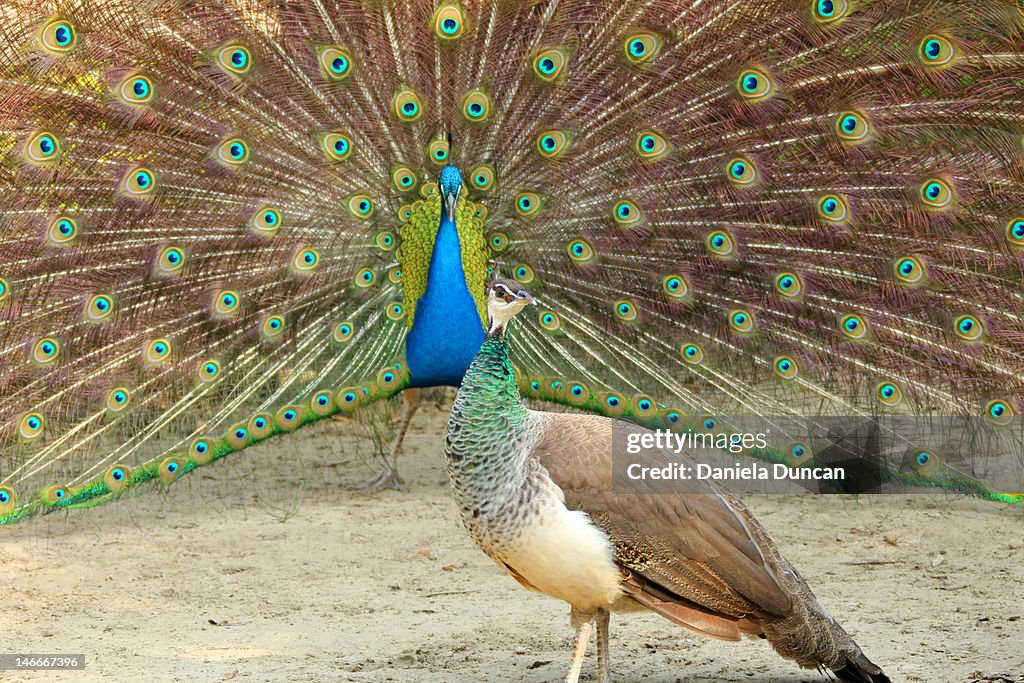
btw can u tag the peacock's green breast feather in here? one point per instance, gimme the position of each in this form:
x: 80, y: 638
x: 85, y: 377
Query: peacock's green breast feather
x: 419, y: 233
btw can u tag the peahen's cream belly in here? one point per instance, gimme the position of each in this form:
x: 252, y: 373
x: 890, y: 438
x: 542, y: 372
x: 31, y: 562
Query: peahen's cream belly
x: 561, y: 553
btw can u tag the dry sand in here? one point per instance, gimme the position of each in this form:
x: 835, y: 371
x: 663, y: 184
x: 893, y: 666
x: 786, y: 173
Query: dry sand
x: 265, y: 567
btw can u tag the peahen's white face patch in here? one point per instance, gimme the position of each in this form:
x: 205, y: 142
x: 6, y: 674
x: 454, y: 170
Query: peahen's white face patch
x: 503, y: 304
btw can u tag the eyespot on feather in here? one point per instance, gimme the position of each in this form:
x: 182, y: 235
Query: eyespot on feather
x: 266, y: 221
x: 118, y: 399
x: 741, y: 320
x: 439, y: 151
x: 407, y: 105
x: 651, y: 145
x: 45, y: 351
x: 117, y: 477
x: 42, y: 148
x: 136, y: 89
x: 642, y: 47
x: 477, y: 105
x: 157, y: 351
x: 692, y: 353
x: 449, y: 22
x: 234, y: 59
x: 549, y: 63
x: 335, y: 62
x: 31, y: 426
x: 785, y: 367
x: 62, y: 231
x: 720, y: 243
x: 200, y: 451
x: 288, y: 418
x: 552, y: 144
x: 7, y: 500
x: 170, y: 261
x: 139, y: 183
x: 336, y: 146
x: 170, y: 469
x: 889, y: 394
x: 58, y: 37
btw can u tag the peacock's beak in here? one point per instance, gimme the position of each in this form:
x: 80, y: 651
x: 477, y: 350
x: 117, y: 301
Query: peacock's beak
x: 450, y: 200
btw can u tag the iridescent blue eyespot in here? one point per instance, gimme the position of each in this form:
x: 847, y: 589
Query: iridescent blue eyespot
x: 709, y: 423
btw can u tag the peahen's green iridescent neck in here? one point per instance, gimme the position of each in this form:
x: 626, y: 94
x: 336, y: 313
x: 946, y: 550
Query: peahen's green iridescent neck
x: 488, y: 416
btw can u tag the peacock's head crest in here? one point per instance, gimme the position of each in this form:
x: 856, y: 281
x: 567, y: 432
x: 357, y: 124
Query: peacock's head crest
x: 450, y: 185
x: 504, y: 301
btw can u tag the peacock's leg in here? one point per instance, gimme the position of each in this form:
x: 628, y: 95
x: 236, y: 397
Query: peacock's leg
x: 388, y: 477
x: 604, y: 672
x: 583, y: 622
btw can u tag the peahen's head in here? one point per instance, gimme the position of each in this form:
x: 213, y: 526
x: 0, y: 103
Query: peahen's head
x: 504, y: 300
x: 450, y: 185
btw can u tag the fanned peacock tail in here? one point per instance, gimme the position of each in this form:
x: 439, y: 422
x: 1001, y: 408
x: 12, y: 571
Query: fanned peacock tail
x: 218, y: 219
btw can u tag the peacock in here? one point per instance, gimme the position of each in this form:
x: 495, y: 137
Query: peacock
x: 221, y: 221
x: 538, y: 493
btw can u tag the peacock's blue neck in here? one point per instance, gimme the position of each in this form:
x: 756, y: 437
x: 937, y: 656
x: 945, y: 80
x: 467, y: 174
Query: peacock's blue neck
x: 446, y: 331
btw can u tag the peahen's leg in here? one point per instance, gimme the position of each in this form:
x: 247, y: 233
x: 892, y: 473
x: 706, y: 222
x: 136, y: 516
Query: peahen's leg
x: 604, y: 672
x: 388, y: 477
x: 583, y: 622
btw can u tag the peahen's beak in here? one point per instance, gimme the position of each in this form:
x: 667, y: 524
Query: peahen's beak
x: 525, y: 296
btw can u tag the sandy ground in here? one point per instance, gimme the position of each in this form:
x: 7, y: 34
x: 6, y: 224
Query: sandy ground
x: 266, y: 567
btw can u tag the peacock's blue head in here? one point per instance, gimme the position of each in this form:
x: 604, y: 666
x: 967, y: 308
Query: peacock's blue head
x: 450, y: 185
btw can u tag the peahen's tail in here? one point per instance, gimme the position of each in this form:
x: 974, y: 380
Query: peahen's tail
x: 210, y: 223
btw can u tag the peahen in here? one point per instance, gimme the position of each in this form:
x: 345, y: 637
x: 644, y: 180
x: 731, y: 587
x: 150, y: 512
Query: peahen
x: 537, y: 491
x: 220, y: 221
